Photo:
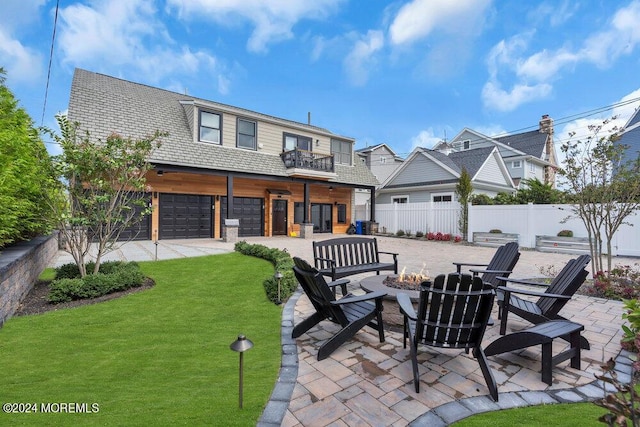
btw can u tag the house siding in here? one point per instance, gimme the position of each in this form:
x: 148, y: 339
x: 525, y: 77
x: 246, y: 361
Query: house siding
x: 491, y: 172
x: 421, y: 169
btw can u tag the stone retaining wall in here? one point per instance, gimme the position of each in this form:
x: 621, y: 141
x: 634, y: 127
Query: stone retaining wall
x: 20, y: 266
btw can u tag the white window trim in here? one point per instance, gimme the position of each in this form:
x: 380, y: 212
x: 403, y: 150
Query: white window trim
x: 200, y: 125
x: 434, y: 195
x: 395, y: 198
x: 532, y: 167
x: 255, y: 136
x: 516, y: 164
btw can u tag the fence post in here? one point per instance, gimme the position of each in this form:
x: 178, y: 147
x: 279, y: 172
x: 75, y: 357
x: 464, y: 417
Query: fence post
x: 530, y: 238
x: 470, y: 225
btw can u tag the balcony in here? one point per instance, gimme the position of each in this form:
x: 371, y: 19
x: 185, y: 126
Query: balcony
x: 306, y: 163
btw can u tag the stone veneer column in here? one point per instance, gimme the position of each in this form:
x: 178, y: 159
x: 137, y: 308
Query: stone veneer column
x: 306, y: 230
x: 230, y: 230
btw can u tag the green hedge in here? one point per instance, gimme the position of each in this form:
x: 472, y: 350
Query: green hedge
x: 281, y: 261
x: 26, y: 183
x: 113, y: 277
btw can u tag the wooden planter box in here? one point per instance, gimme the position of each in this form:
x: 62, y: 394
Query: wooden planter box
x: 494, y: 239
x: 565, y: 245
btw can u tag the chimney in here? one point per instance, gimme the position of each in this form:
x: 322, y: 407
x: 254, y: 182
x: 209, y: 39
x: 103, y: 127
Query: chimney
x: 546, y: 124
x: 309, y: 117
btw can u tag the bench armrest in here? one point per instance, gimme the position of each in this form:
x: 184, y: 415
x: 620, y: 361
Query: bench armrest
x: 508, y: 291
x: 359, y: 298
x: 395, y: 255
x: 523, y: 282
x: 406, y: 308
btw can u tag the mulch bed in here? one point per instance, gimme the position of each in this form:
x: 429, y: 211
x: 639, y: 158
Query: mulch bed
x: 36, y: 301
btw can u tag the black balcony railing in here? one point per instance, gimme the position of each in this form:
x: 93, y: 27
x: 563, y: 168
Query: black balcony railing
x: 303, y: 159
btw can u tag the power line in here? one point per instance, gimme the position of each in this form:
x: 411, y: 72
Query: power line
x: 560, y: 121
x: 53, y: 38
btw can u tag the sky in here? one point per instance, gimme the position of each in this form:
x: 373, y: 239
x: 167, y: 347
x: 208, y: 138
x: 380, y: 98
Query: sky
x: 405, y: 73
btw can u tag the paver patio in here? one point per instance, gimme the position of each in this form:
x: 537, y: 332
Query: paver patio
x: 366, y: 382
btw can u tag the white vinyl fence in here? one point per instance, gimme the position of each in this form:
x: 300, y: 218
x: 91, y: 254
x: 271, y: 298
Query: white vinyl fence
x: 426, y: 217
x: 528, y: 221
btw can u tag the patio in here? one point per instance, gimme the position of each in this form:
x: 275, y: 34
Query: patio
x: 366, y: 382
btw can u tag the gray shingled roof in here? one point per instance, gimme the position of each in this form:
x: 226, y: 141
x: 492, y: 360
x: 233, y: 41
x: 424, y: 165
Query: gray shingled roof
x: 531, y: 143
x: 472, y: 160
x: 104, y: 104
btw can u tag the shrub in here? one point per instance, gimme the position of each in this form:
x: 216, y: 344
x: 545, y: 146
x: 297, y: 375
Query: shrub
x: 622, y: 282
x: 565, y: 233
x: 495, y: 231
x: 71, y: 270
x: 281, y: 261
x: 118, y: 276
x: 419, y: 234
x: 408, y: 233
x: 632, y: 330
x: 431, y: 236
x: 457, y: 239
x: 400, y: 233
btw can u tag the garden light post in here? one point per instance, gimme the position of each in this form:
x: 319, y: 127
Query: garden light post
x: 278, y: 277
x: 241, y: 345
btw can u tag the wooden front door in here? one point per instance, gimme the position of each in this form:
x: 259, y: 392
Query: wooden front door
x: 279, y: 218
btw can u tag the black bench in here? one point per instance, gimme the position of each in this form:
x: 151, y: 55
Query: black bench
x: 543, y: 333
x: 346, y: 256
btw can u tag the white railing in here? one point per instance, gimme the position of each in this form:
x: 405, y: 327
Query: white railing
x: 528, y: 221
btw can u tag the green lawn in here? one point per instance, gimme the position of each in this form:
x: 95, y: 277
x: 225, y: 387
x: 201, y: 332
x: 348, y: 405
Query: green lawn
x: 158, y: 357
x: 566, y: 415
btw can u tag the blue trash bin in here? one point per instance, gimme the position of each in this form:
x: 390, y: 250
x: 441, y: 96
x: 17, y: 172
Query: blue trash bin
x: 359, y: 226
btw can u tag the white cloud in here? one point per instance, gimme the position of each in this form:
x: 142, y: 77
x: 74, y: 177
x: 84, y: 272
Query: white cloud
x: 496, y: 98
x: 21, y: 63
x: 361, y: 59
x: 419, y: 18
x: 272, y: 20
x: 116, y: 34
x: 534, y: 74
x: 426, y: 138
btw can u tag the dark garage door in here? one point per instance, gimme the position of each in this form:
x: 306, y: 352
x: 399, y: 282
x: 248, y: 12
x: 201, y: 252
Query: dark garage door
x: 185, y: 216
x: 250, y: 213
x: 142, y: 229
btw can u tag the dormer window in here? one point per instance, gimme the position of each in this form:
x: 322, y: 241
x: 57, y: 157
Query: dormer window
x: 341, y: 151
x: 465, y: 144
x: 210, y: 127
x: 246, y: 134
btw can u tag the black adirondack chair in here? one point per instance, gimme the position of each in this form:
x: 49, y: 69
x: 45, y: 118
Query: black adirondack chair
x: 352, y: 312
x: 551, y: 301
x: 453, y: 312
x: 501, y: 265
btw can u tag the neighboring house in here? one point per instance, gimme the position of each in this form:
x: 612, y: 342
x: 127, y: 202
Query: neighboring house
x: 528, y: 155
x: 630, y: 136
x: 382, y: 161
x: 224, y: 162
x: 432, y: 176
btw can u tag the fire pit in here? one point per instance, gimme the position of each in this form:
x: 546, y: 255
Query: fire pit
x: 391, y: 284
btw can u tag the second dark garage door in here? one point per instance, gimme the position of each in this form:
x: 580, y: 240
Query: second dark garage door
x: 250, y: 212
x: 185, y: 216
